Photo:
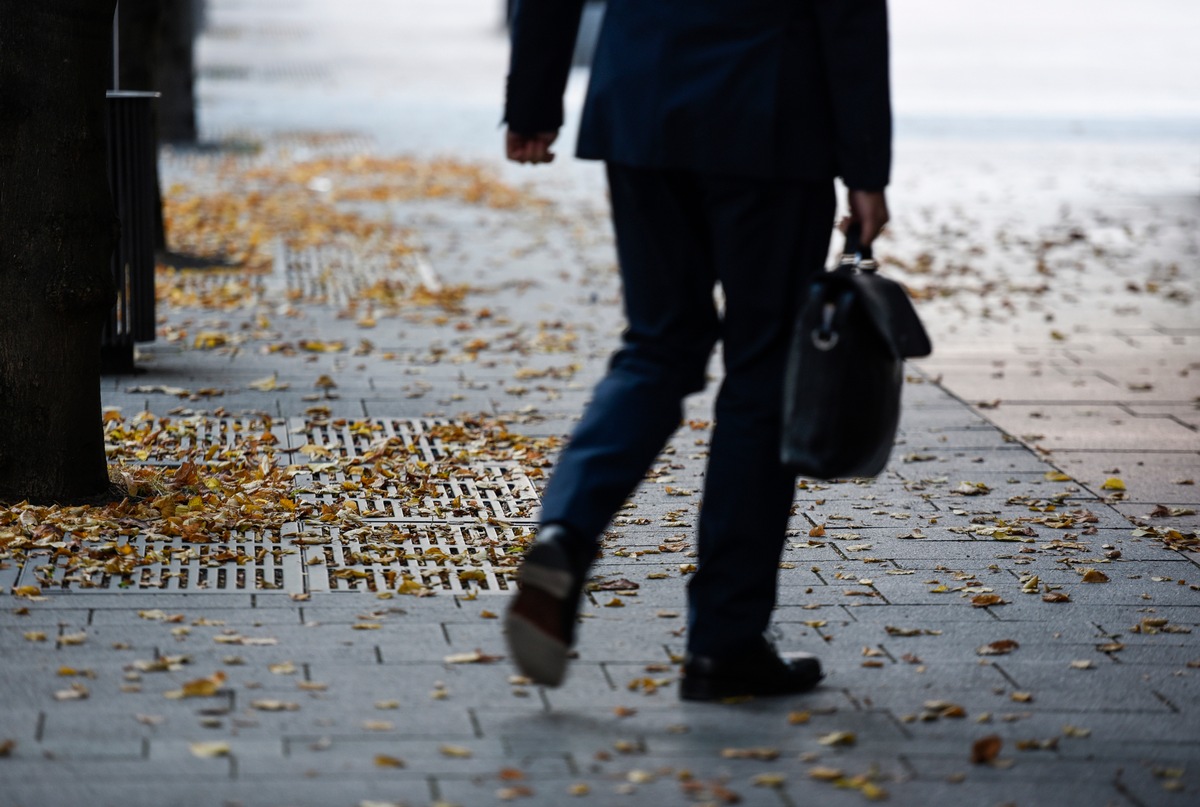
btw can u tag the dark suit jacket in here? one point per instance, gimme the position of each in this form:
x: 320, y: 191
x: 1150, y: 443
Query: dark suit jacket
x: 754, y: 88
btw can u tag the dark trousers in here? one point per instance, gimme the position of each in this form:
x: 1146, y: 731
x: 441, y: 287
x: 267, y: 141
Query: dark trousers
x: 678, y: 234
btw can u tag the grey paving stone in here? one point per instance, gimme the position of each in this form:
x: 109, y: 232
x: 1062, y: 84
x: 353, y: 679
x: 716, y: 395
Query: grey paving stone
x: 613, y: 788
x: 233, y: 616
x: 310, y: 791
x: 142, y: 600
x: 1106, y: 688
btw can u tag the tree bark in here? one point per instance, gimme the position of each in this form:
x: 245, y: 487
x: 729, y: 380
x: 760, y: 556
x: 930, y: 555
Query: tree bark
x: 57, y: 231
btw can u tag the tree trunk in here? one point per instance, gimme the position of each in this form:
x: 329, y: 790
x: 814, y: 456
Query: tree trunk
x: 57, y: 231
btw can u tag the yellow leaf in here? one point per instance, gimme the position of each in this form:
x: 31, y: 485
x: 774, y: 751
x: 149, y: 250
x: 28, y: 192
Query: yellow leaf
x: 74, y: 693
x: 410, y: 586
x: 765, y: 754
x: 199, y: 688
x: 274, y: 706
x: 1057, y: 476
x: 823, y: 774
x: 1113, y: 483
x: 207, y: 340
x: 474, y: 657
x: 267, y: 384
x: 208, y: 750
x: 455, y: 751
x: 385, y: 761
x: 872, y: 791
x: 838, y: 738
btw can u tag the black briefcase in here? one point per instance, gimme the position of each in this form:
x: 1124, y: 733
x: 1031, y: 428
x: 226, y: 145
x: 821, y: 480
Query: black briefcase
x: 845, y: 370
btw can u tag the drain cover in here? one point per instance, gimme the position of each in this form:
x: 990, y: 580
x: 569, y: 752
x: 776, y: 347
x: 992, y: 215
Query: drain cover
x: 416, y: 558
x: 238, y: 563
x: 245, y: 504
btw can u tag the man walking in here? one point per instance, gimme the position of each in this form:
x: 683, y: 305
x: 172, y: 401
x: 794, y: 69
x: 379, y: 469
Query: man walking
x: 723, y: 124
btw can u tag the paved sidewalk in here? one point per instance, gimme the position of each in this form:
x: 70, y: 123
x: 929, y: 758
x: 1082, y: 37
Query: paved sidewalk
x: 308, y: 615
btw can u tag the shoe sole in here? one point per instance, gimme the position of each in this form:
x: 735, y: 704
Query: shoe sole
x: 539, y: 656
x: 718, y: 689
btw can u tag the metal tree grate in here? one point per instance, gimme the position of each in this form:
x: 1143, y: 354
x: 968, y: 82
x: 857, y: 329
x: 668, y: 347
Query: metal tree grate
x: 340, y: 274
x: 422, y: 505
x: 481, y: 493
x: 151, y: 443
x: 461, y: 558
x: 421, y: 438
x: 245, y: 561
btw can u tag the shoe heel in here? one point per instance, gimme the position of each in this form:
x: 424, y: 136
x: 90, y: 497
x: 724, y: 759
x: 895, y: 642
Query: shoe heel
x: 545, y: 567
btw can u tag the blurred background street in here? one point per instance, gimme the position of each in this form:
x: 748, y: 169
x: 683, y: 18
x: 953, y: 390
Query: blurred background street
x: 373, y: 334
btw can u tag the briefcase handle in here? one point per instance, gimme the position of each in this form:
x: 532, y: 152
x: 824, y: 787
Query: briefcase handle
x: 855, y: 253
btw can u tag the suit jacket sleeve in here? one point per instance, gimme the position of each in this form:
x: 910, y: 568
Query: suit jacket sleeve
x: 854, y: 40
x: 543, y: 41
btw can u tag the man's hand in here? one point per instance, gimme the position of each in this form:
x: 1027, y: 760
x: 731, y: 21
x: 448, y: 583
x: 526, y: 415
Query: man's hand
x: 529, y: 148
x: 869, y: 210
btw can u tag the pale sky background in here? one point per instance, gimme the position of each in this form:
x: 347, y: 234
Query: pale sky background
x: 1047, y: 58
x: 428, y: 75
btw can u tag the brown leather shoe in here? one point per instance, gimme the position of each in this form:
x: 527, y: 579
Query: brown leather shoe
x: 540, y: 623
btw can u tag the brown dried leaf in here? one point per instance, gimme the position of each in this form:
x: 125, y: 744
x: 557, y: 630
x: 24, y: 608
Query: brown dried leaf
x: 823, y: 774
x: 765, y: 754
x: 986, y: 749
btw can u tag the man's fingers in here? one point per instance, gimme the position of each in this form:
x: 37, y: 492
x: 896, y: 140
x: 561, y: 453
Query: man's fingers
x: 529, y: 148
